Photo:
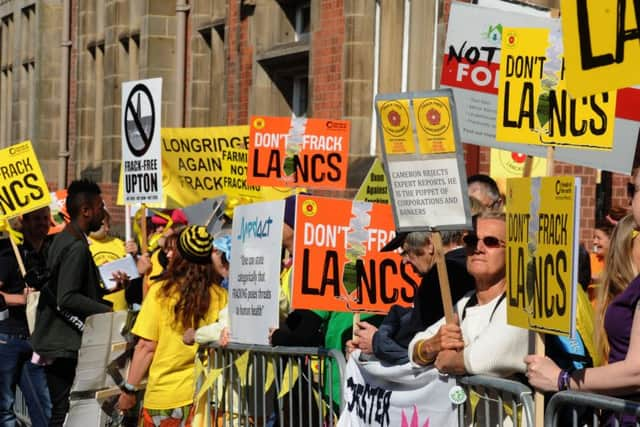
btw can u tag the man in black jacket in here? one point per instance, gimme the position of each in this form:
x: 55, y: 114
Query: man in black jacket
x: 389, y: 343
x: 75, y: 285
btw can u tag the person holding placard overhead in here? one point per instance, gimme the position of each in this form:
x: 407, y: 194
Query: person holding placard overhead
x: 187, y: 296
x: 481, y: 328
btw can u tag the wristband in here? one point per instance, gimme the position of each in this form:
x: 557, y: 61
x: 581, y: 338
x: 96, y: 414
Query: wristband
x: 564, y: 380
x: 419, y: 358
x: 128, y: 388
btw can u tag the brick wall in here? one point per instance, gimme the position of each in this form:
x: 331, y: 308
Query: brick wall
x: 239, y: 66
x: 326, y: 61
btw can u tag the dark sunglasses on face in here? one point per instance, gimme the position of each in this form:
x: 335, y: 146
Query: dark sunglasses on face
x: 471, y: 242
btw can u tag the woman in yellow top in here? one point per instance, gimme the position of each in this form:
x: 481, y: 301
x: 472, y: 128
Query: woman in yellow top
x: 186, y: 297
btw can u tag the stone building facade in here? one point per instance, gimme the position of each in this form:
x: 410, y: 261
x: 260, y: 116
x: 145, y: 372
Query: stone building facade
x: 62, y: 63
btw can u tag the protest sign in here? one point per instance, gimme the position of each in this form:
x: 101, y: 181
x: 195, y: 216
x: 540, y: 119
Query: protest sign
x: 601, y: 40
x: 298, y: 151
x: 58, y: 207
x: 471, y: 67
x: 542, y: 253
x: 374, y: 188
x: 507, y: 164
x: 254, y: 273
x: 203, y: 163
x: 23, y: 187
x: 338, y: 265
x: 385, y: 396
x: 425, y: 172
x: 141, y: 155
x: 534, y: 106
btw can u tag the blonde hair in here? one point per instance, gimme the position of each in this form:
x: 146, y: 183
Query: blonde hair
x: 619, y: 271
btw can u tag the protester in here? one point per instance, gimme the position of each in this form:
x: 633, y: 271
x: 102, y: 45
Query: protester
x: 390, y: 342
x: 616, y: 338
x: 106, y: 248
x: 75, y: 285
x: 621, y: 377
x: 219, y: 330
x: 485, y: 190
x: 16, y: 367
x: 481, y: 328
x: 187, y: 297
x: 600, y: 247
x: 161, y: 229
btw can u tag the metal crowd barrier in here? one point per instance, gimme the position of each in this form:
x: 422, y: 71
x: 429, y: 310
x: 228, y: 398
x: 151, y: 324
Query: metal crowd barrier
x: 601, y: 410
x: 241, y: 398
x: 492, y: 401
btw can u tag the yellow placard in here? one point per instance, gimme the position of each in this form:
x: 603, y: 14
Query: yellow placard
x: 534, y: 106
x: 601, y: 54
x: 396, y: 126
x: 23, y: 187
x: 507, y: 164
x: 434, y: 125
x: 374, y: 188
x: 542, y: 253
x: 202, y: 163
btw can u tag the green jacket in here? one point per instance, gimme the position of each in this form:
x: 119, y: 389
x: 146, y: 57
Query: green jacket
x: 78, y: 291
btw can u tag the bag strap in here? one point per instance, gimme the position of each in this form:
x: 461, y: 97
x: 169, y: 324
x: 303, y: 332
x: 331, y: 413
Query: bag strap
x: 473, y: 301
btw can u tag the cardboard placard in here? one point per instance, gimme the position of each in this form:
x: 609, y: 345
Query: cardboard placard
x: 23, y: 188
x: 338, y: 265
x: 300, y: 151
x: 542, y: 253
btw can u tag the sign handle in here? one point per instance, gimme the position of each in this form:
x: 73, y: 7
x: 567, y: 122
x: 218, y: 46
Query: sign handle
x: 551, y: 151
x: 443, y: 277
x: 539, y: 337
x: 539, y: 397
x: 528, y: 166
x: 356, y: 320
x: 23, y: 270
x: 127, y: 222
x: 144, y: 247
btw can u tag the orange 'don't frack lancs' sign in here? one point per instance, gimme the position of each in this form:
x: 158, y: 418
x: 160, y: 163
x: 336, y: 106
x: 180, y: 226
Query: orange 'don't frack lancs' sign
x: 338, y: 265
x: 298, y: 152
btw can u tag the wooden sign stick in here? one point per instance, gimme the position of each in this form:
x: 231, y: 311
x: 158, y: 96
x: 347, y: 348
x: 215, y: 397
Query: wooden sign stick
x: 443, y: 277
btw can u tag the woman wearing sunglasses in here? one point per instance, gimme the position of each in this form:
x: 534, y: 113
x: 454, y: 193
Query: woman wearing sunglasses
x: 481, y: 325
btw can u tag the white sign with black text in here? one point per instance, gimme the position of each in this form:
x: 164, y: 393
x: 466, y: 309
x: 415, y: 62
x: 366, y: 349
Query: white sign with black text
x: 254, y: 274
x: 141, y: 150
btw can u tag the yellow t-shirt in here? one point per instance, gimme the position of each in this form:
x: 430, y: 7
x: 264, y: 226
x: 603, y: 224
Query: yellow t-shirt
x: 107, y: 250
x: 171, y: 374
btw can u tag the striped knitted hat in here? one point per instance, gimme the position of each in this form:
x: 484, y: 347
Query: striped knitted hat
x: 195, y: 244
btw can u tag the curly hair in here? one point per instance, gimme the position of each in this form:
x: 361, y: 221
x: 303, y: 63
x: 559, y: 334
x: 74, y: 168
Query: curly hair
x: 619, y: 271
x: 191, y: 283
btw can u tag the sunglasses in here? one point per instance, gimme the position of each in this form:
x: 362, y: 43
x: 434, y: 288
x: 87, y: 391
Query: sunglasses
x: 471, y: 242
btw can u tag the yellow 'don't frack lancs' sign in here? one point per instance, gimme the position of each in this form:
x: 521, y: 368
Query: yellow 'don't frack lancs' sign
x: 534, y: 106
x: 542, y: 253
x: 602, y: 44
x: 23, y: 187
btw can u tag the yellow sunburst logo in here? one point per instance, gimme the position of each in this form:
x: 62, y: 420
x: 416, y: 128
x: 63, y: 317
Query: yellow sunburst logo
x: 258, y: 123
x: 309, y: 207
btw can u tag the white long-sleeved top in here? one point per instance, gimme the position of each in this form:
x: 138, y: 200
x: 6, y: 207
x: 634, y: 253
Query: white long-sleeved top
x: 492, y: 347
x: 212, y: 331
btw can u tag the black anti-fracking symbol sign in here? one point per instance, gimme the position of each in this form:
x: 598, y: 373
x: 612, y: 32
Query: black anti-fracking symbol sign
x: 138, y: 126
